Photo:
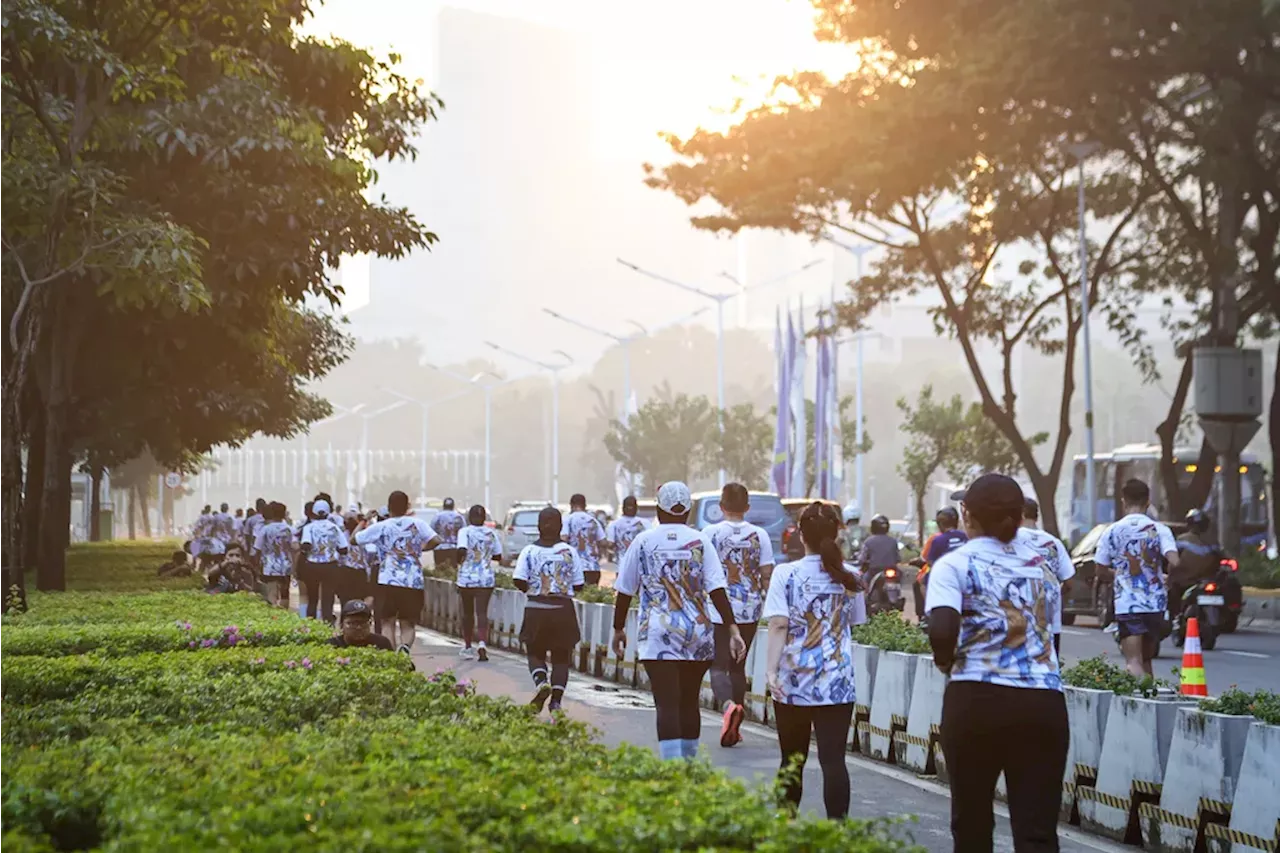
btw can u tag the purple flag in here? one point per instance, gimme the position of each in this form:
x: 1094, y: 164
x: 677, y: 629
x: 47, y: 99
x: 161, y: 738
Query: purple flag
x: 821, y: 428
x: 778, y: 473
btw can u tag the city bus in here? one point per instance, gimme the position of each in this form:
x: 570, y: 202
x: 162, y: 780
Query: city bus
x: 1142, y: 462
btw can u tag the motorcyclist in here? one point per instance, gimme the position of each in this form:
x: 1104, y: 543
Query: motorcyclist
x: 850, y: 538
x: 879, y: 550
x: 1199, y: 559
x: 948, y: 538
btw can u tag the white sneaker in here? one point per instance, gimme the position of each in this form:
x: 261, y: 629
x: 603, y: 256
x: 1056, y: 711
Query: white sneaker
x: 466, y: 653
x: 1111, y: 628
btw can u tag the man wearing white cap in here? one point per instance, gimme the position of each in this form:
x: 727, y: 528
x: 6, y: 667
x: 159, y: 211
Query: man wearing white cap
x: 675, y: 570
x: 321, y: 546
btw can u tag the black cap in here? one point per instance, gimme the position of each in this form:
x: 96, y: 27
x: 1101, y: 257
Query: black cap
x: 448, y: 503
x: 356, y: 607
x: 991, y: 491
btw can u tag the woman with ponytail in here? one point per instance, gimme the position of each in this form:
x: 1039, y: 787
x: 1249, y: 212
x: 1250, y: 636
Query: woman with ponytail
x: 810, y: 608
x: 993, y: 606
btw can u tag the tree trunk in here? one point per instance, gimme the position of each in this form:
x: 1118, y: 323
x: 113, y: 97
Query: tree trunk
x: 920, y: 518
x: 144, y: 493
x: 1274, y: 430
x: 34, y: 482
x: 95, y: 503
x: 132, y: 513
x: 11, y: 551
x: 55, y: 504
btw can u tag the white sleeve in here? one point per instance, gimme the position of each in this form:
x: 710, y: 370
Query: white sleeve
x: 306, y: 538
x: 775, y: 601
x: 1167, y: 542
x: 628, y: 580
x: 713, y: 574
x: 343, y: 541
x: 1066, y: 569
x: 944, y: 587
x: 431, y: 535
x: 258, y: 540
x: 564, y: 526
x: 1102, y: 554
x: 369, y: 536
x: 579, y: 577
x: 522, y: 566
x: 611, y: 532
x: 766, y: 550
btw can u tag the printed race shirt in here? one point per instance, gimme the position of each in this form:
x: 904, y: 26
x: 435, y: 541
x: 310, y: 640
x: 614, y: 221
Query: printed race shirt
x: 400, y: 541
x: 481, y: 545
x: 274, y: 541
x: 553, y: 570
x: 326, y: 541
x: 1135, y: 547
x: 252, y: 525
x: 1010, y: 607
x: 224, y: 527
x: 446, y: 524
x: 674, y: 568
x: 816, y: 667
x: 623, y: 532
x: 745, y: 552
x: 582, y: 530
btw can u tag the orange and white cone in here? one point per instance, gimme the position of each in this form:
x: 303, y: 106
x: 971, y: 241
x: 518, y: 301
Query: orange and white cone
x: 1192, y: 674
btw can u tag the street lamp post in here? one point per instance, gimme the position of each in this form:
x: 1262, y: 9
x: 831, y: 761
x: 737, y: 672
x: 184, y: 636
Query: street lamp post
x: 719, y: 299
x: 364, y: 445
x: 857, y: 250
x: 1082, y: 151
x: 487, y: 387
x: 554, y: 369
x: 425, y: 406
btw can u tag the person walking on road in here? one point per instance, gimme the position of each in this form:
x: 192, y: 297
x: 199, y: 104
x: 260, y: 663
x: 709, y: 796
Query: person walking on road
x: 273, y: 543
x: 584, y: 532
x: 810, y: 608
x: 549, y: 572
x: 622, y: 531
x: 1132, y: 554
x: 994, y: 605
x: 401, y: 539
x: 446, y: 525
x: 480, y: 548
x: 675, y: 570
x: 1051, y: 548
x: 746, y: 554
x: 322, y: 544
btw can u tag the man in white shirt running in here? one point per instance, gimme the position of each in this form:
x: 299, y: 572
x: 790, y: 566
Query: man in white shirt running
x: 1051, y: 548
x: 1132, y: 553
x: 747, y: 557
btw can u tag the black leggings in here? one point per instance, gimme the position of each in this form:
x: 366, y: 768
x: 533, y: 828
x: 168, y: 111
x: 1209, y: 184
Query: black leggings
x: 987, y: 728
x: 830, y: 723
x: 317, y: 583
x: 559, y: 667
x: 676, y: 685
x: 729, y: 677
x: 475, y: 608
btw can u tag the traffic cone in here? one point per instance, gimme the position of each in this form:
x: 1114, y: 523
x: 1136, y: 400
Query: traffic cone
x: 1192, y: 676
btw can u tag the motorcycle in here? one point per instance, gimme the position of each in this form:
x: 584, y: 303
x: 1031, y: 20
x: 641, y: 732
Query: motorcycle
x: 1214, y: 603
x: 884, y: 591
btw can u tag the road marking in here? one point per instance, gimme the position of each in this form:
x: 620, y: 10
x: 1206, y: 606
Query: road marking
x: 1245, y: 654
x: 1076, y: 632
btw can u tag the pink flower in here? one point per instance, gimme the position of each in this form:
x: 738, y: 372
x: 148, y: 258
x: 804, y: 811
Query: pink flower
x: 306, y: 663
x: 259, y: 660
x: 289, y: 664
x: 343, y: 661
x: 191, y: 645
x: 204, y: 644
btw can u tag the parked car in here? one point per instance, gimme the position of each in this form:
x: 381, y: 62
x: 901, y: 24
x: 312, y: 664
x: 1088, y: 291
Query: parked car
x: 520, y: 528
x: 766, y: 511
x: 793, y: 507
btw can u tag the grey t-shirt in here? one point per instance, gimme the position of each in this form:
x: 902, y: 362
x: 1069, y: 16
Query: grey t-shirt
x: 879, y: 551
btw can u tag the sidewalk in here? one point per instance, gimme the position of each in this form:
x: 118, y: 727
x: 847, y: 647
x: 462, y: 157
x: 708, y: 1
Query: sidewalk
x: 624, y: 715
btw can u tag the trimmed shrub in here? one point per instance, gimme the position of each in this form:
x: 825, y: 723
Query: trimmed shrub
x: 1098, y: 673
x: 156, y: 608
x: 1263, y: 704
x: 889, y: 631
x: 111, y: 639
x: 123, y: 566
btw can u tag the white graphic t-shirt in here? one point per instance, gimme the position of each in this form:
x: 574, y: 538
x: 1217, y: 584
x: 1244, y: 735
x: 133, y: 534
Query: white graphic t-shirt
x: 274, y: 541
x: 623, y: 531
x: 553, y: 570
x: 1010, y: 606
x: 446, y: 524
x: 745, y: 552
x: 481, y: 545
x: 674, y: 568
x: 224, y: 527
x: 1135, y: 547
x: 582, y: 530
x: 252, y: 525
x: 401, y: 541
x: 326, y: 541
x: 816, y: 667
x: 1054, y: 552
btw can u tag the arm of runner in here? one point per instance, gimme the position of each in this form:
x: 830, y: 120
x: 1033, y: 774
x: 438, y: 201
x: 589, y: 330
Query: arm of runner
x: 943, y: 602
x: 777, y: 613
x: 766, y: 560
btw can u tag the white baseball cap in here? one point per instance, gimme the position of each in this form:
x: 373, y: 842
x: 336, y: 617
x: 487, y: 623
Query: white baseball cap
x: 674, y: 498
x: 320, y: 508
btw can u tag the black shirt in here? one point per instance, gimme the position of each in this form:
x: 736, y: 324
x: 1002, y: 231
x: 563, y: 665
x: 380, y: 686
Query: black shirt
x: 376, y: 641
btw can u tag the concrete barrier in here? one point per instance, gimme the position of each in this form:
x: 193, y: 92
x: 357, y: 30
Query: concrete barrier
x: 757, y: 682
x: 1199, y: 781
x: 1255, y: 813
x: 865, y: 659
x: 1087, y: 720
x: 582, y: 655
x: 914, y: 748
x: 1135, y: 750
x: 890, y: 702
x: 1261, y: 609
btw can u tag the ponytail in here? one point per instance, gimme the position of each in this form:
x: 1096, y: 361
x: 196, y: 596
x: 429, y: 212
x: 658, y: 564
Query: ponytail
x: 818, y: 526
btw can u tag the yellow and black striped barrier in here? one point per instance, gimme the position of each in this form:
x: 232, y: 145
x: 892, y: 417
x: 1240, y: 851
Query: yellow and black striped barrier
x: 1094, y: 795
x: 1151, y: 811
x: 1235, y: 836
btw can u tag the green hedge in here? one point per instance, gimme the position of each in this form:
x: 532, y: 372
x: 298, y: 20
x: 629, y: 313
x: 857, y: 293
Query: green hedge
x: 275, y: 628
x: 890, y: 632
x: 1263, y: 704
x: 1098, y: 673
x: 122, y: 566
x: 157, y: 608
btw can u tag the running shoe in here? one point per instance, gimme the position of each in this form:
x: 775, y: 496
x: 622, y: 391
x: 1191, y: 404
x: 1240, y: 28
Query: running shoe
x: 730, y: 733
x: 467, y: 653
x: 540, y: 698
x: 404, y: 649
x: 482, y: 653
x: 554, y: 706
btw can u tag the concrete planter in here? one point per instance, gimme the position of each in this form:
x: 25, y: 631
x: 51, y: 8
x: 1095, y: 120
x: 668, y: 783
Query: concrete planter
x: 1255, y: 813
x: 1135, y: 751
x: 1087, y: 718
x: 1205, y: 758
x: 890, y: 703
x: 758, y: 682
x: 914, y: 748
x: 865, y: 659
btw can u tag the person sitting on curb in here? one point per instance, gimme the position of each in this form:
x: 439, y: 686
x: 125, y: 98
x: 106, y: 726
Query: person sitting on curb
x: 357, y: 628
x: 177, y: 567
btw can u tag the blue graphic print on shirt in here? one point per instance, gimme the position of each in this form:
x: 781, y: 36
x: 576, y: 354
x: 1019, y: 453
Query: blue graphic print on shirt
x: 816, y: 667
x: 481, y: 546
x: 553, y: 570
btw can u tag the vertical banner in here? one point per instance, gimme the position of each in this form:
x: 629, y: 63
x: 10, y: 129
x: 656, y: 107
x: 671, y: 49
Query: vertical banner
x: 800, y: 427
x: 835, y: 430
x: 820, y: 446
x: 778, y: 473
